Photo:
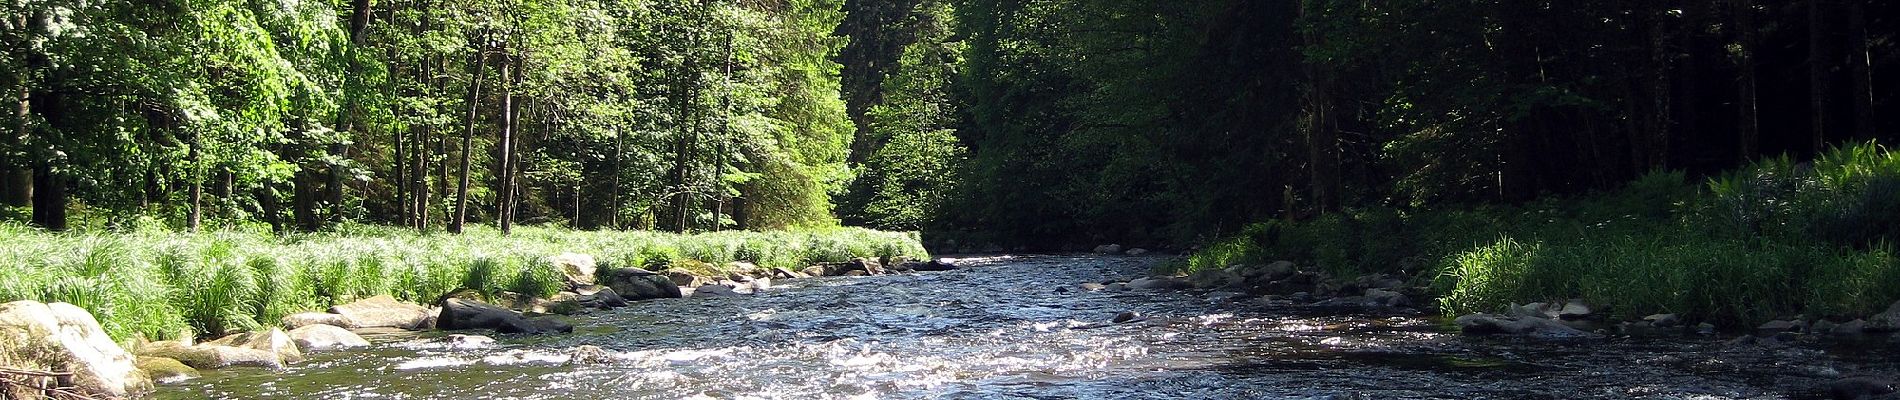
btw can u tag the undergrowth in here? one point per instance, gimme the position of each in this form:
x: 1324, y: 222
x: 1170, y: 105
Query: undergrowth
x: 1775, y: 239
x: 158, y: 284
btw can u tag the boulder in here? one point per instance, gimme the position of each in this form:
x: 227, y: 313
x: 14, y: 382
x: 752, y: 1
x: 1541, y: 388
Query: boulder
x: 684, y: 278
x: 787, y: 273
x: 589, y: 355
x: 1776, y: 327
x: 1215, y: 279
x: 1574, y: 309
x: 212, y: 356
x: 460, y: 314
x: 760, y: 284
x: 1093, y: 287
x: 1265, y: 273
x: 931, y: 266
x: 595, y: 296
x: 459, y: 341
x: 326, y: 337
x: 1108, y: 249
x: 1387, y: 298
x: 1378, y: 281
x: 1128, y: 316
x: 714, y: 291
x: 383, y: 312
x: 1663, y: 320
x: 640, y: 284
x: 816, y: 270
x: 1493, y: 324
x: 741, y: 267
x: 64, y: 337
x: 1849, y: 328
x: 869, y: 266
x: 579, y: 268
x: 1136, y: 251
x: 273, y: 340
x: 1885, y: 321
x: 166, y: 370
x: 300, y: 320
x: 1159, y: 283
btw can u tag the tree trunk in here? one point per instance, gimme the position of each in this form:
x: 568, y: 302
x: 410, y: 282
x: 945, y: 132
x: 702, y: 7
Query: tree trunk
x: 346, y: 117
x: 468, y: 137
x: 195, y: 217
x: 1748, y: 104
x: 683, y: 148
x: 613, y: 214
x: 1818, y: 69
x: 507, y: 143
x: 1860, y: 62
x: 16, y: 178
x: 1322, y: 140
x: 725, y: 135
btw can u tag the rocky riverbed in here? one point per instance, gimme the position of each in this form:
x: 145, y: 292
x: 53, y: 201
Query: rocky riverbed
x: 1048, y: 327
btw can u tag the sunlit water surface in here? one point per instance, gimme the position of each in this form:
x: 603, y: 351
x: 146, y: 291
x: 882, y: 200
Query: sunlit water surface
x: 1019, y: 328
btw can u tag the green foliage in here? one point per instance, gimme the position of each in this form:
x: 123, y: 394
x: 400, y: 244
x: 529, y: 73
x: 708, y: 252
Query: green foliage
x: 1761, y: 243
x: 159, y: 286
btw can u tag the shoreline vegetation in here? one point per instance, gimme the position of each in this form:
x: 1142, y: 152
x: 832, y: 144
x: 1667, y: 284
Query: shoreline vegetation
x: 162, y: 285
x: 1777, y: 239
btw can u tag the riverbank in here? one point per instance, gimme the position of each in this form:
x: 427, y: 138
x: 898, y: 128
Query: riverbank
x: 167, y: 285
x: 1773, y: 241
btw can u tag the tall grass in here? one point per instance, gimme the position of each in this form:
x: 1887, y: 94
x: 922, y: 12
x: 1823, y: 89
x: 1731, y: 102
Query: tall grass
x: 160, y: 285
x: 1772, y: 240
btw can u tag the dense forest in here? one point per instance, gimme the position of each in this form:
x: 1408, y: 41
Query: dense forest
x: 1027, y: 122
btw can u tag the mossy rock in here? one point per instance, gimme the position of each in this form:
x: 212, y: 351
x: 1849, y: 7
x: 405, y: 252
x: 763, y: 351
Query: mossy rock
x: 166, y: 370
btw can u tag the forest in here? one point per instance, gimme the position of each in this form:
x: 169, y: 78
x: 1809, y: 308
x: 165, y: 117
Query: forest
x: 1279, y: 194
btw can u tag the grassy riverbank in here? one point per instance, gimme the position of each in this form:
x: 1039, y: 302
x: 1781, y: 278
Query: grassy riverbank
x: 1776, y: 239
x: 160, y: 284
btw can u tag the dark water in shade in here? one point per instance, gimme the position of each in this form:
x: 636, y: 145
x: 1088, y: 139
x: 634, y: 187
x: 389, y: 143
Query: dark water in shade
x: 1018, y: 328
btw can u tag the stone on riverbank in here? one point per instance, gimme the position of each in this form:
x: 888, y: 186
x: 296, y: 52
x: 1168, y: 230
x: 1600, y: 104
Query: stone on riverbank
x: 1159, y: 283
x: 1215, y: 279
x: 273, y: 340
x: 64, y: 337
x: 166, y: 370
x: 207, y: 356
x: 1493, y: 324
x: 383, y: 312
x: 1108, y: 249
x: 578, y: 268
x: 1885, y: 321
x: 639, y: 284
x: 460, y: 314
x: 326, y: 337
x: 714, y: 291
x: 300, y: 320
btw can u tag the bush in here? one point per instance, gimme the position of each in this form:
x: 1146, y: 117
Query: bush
x: 159, y: 285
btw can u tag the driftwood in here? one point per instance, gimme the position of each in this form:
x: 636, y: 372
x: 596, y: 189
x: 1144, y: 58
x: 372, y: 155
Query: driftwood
x: 45, y: 383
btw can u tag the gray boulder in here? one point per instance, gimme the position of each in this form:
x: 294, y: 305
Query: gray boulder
x: 383, y: 312
x: 1215, y: 279
x: 300, y: 320
x: 714, y: 291
x: 1574, y: 309
x: 326, y: 337
x: 1663, y: 320
x: 1136, y: 251
x: 1493, y: 324
x: 1850, y: 328
x: 1108, y: 249
x: 64, y: 337
x: 1885, y: 321
x: 640, y: 284
x: 1387, y: 298
x: 273, y: 340
x: 212, y: 356
x: 461, y: 314
x: 1159, y: 283
x: 578, y: 268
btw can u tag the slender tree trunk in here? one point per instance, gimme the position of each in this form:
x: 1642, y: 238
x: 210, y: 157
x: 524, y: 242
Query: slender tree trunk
x: 725, y: 135
x: 16, y: 164
x: 1818, y: 70
x: 195, y: 217
x: 1322, y: 140
x: 507, y: 136
x: 1860, y: 64
x: 346, y: 117
x: 468, y: 137
x: 1749, y: 126
x: 613, y: 214
x: 267, y: 201
x: 683, y: 149
x: 1660, y: 123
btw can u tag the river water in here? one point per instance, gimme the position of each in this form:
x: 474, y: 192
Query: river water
x: 1019, y: 328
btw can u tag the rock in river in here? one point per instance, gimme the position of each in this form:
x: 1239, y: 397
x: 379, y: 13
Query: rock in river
x: 67, y: 338
x: 300, y: 320
x: 326, y: 337
x: 459, y: 314
x: 383, y: 312
x: 1491, y: 324
x: 640, y: 284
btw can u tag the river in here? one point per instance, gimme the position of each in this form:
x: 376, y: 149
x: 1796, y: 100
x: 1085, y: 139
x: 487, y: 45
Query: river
x: 1018, y: 327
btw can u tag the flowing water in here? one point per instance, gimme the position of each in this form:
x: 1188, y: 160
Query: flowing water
x: 1019, y: 328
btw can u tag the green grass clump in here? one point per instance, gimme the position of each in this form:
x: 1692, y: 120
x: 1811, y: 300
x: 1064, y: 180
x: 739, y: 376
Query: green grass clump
x: 1773, y: 240
x: 159, y: 285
